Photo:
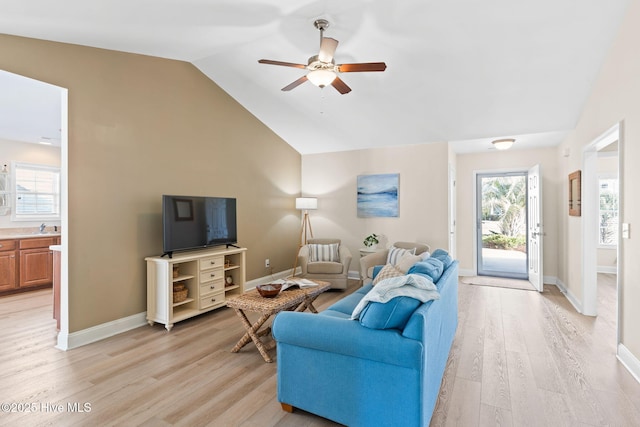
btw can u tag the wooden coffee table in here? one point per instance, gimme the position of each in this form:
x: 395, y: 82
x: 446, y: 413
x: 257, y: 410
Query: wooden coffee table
x: 290, y: 299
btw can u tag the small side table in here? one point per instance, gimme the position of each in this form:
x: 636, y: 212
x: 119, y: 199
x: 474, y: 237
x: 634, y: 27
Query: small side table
x: 367, y: 251
x: 291, y: 299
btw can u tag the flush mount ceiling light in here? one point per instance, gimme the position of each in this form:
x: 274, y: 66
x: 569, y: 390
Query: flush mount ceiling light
x: 321, y: 78
x: 503, y: 144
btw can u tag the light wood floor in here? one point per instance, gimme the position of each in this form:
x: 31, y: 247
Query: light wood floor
x: 519, y: 358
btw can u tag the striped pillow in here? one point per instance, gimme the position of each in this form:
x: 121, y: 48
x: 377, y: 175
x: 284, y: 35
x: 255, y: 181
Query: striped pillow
x: 396, y: 253
x: 324, y: 253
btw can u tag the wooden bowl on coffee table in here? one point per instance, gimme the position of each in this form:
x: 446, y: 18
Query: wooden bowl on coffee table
x: 270, y: 290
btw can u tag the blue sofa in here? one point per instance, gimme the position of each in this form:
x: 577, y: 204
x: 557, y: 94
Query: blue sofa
x: 356, y: 375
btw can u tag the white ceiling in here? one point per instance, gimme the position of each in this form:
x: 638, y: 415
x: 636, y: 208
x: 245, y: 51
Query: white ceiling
x: 463, y: 71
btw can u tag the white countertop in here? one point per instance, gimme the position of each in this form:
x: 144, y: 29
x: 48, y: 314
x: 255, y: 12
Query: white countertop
x: 25, y: 233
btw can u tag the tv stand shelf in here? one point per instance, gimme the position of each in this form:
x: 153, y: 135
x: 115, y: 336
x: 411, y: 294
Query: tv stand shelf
x: 204, y: 273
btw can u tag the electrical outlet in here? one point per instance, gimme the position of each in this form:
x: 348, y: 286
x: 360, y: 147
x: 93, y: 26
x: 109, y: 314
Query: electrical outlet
x: 267, y: 263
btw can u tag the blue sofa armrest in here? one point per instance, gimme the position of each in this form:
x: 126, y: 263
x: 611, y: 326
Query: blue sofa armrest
x: 347, y: 337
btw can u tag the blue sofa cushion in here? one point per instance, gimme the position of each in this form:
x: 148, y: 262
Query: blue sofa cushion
x: 432, y: 267
x: 393, y: 314
x: 376, y: 270
x: 443, y: 256
x: 347, y: 304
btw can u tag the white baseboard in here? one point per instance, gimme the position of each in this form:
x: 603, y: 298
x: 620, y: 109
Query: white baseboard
x: 466, y: 272
x: 353, y: 274
x: 608, y: 269
x: 100, y: 332
x: 118, y: 326
x: 629, y: 361
x: 568, y: 295
x: 251, y: 284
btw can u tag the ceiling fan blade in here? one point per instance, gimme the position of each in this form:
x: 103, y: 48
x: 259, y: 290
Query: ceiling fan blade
x: 327, y: 49
x: 284, y: 64
x: 340, y: 86
x: 363, y: 66
x: 295, y: 84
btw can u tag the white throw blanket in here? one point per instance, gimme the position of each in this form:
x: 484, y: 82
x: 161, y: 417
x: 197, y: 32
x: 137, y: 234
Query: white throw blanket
x: 412, y: 285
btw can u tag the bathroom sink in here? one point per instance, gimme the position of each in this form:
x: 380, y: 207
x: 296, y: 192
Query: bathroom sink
x: 40, y: 232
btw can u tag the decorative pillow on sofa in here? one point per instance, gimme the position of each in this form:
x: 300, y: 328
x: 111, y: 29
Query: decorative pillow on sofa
x: 396, y: 253
x: 393, y: 314
x: 431, y: 267
x: 387, y: 272
x: 406, y: 262
x: 324, y: 253
x: 443, y: 256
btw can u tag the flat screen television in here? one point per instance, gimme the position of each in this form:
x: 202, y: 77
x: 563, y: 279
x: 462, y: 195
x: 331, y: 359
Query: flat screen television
x: 194, y: 222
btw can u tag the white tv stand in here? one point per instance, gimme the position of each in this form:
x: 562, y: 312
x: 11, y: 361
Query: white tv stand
x: 204, y: 274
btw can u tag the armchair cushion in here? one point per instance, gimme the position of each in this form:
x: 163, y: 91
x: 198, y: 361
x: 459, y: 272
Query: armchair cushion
x: 321, y: 267
x: 390, y: 315
x: 324, y: 252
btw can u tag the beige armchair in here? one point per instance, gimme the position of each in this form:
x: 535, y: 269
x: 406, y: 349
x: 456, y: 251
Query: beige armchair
x: 334, y: 272
x: 380, y: 258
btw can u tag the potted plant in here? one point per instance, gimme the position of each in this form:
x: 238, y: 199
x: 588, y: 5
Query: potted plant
x: 371, y: 241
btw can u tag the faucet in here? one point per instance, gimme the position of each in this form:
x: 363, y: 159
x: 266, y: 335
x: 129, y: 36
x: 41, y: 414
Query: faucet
x: 42, y: 227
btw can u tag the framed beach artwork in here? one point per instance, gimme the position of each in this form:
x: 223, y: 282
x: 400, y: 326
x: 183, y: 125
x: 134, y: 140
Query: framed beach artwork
x: 378, y: 195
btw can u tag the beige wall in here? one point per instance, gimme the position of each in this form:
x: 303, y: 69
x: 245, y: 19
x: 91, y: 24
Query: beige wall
x: 28, y: 153
x: 139, y: 127
x: 423, y: 194
x: 510, y: 160
x: 614, y: 98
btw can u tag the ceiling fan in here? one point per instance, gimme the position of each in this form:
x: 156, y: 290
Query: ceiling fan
x: 322, y: 67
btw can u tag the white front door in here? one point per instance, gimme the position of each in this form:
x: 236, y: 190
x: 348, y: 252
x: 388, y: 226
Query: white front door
x: 535, y: 230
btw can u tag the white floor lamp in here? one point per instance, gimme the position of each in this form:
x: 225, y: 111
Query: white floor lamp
x: 306, y: 204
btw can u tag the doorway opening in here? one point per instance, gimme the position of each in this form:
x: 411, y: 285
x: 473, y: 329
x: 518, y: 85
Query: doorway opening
x: 597, y: 229
x: 37, y: 114
x: 502, y: 224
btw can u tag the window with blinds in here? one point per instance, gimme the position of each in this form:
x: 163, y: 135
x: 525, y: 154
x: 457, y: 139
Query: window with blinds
x: 37, y: 191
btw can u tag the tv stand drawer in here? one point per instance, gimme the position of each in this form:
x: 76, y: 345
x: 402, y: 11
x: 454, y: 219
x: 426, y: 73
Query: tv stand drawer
x: 212, y: 262
x: 216, y: 274
x: 212, y: 300
x: 214, y: 286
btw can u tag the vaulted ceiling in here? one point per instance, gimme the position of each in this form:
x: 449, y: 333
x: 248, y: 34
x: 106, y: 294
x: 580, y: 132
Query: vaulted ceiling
x: 462, y: 71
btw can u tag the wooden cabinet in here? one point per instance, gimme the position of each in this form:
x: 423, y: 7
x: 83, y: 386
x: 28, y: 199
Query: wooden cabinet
x: 36, y: 262
x: 26, y: 263
x: 209, y: 276
x: 36, y: 267
x: 8, y: 265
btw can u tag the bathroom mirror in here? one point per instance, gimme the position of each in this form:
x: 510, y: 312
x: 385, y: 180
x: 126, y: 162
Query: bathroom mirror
x: 574, y: 193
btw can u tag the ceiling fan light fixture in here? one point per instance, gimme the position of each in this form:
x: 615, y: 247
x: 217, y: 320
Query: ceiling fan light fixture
x: 503, y: 144
x: 321, y: 78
